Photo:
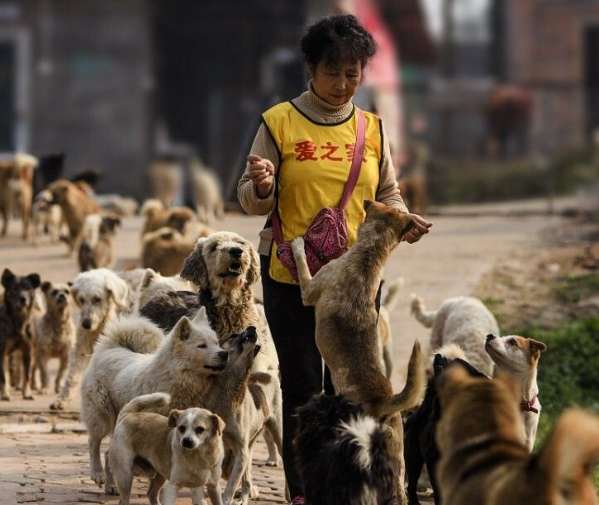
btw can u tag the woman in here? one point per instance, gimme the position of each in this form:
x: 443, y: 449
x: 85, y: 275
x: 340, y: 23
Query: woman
x: 300, y: 159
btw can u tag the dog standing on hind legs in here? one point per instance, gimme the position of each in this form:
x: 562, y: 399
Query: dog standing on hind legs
x: 346, y: 322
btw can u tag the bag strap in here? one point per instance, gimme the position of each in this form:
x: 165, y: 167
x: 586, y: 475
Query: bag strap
x: 354, y: 174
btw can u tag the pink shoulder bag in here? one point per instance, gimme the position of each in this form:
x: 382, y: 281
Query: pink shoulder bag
x: 326, y: 238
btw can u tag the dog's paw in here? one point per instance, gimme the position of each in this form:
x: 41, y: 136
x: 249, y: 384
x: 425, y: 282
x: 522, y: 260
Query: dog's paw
x: 111, y: 489
x: 254, y: 492
x: 28, y: 397
x: 298, y: 246
x: 98, y: 476
x: 5, y: 398
x: 58, y: 405
x: 272, y: 462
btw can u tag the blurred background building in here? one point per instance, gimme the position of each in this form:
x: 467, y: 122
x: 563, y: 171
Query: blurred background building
x: 114, y: 83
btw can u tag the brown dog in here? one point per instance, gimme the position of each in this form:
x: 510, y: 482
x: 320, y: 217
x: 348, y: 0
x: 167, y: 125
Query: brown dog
x: 165, y: 250
x: 76, y: 205
x: 16, y: 190
x: 483, y: 457
x: 178, y: 218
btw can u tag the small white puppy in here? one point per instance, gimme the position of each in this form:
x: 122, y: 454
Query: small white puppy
x: 186, y: 449
x: 519, y: 357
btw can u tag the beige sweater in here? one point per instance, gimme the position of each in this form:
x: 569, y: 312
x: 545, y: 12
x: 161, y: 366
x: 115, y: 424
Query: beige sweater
x: 317, y: 110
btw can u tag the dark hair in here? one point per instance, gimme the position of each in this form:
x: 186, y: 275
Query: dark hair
x: 336, y: 39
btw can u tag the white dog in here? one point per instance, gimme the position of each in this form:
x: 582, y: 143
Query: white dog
x: 186, y: 449
x: 154, y: 283
x: 519, y: 356
x: 100, y: 295
x: 133, y: 358
x: 464, y: 321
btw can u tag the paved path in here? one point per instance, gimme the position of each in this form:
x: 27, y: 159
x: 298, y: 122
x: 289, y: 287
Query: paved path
x: 53, y: 467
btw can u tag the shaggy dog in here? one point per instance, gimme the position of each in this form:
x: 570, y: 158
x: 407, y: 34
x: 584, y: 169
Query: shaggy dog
x: 224, y: 266
x: 16, y: 190
x: 185, y: 448
x: 165, y: 179
x: 384, y: 327
x: 134, y: 358
x: 519, y: 357
x: 100, y: 294
x: 95, y: 250
x: 76, y: 205
x: 483, y: 458
x: 207, y: 194
x: 47, y: 218
x: 54, y: 335
x: 420, y: 447
x: 157, y: 216
x: 16, y: 326
x: 153, y: 283
x: 343, y: 293
x: 343, y: 457
x: 464, y: 321
x: 165, y: 250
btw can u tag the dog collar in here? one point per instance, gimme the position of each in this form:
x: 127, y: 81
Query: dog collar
x: 528, y: 405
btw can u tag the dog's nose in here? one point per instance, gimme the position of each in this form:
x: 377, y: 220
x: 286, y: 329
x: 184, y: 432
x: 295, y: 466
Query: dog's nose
x: 236, y: 252
x: 490, y: 336
x: 22, y: 300
x: 61, y: 298
x: 86, y: 324
x: 187, y: 442
x: 223, y: 356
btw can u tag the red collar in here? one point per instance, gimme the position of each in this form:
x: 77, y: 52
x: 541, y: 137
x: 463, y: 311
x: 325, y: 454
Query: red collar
x: 527, y: 405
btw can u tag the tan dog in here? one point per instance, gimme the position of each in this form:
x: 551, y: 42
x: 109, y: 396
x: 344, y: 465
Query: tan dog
x: 95, y: 250
x: 46, y: 216
x: 165, y: 178
x: 177, y: 218
x: 165, y: 251
x: 519, y: 357
x: 54, y: 334
x: 186, y: 449
x: 343, y: 293
x: 76, y: 205
x: 16, y: 190
x: 207, y: 193
x: 483, y: 458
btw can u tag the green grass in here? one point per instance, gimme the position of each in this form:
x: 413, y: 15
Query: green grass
x: 575, y: 289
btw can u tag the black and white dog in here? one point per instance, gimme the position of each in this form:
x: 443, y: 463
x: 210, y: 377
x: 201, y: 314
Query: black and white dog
x: 343, y: 456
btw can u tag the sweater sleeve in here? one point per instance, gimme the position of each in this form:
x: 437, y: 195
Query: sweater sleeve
x: 388, y: 191
x: 253, y: 204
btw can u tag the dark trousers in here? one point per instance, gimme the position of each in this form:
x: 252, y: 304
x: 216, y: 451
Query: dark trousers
x: 293, y: 326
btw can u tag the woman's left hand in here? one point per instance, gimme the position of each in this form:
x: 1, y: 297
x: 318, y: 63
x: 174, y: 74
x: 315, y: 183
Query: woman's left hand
x: 422, y: 228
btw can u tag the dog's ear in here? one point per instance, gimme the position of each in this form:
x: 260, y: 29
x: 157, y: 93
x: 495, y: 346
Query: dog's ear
x: 70, y: 284
x: 218, y: 423
x: 149, y: 276
x: 173, y: 417
x: 182, y: 329
x: 201, y: 317
x: 537, y: 347
x: 46, y: 286
x: 34, y: 280
x: 253, y: 273
x: 194, y: 268
x: 8, y: 278
x: 74, y: 294
x: 118, y: 289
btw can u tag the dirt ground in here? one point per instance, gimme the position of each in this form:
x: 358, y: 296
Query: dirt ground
x: 38, y: 465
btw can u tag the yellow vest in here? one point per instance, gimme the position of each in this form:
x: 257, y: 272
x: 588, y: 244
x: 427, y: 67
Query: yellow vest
x: 314, y: 164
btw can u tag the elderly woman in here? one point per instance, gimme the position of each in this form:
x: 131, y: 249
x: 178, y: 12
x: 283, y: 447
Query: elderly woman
x: 299, y: 163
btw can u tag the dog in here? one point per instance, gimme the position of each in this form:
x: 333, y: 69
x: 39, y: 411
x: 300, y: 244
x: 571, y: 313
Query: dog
x: 342, y: 455
x: 519, y: 357
x: 100, y: 295
x: 185, y: 448
x: 47, y: 218
x: 384, y: 327
x: 157, y: 216
x: 420, y: 447
x: 165, y: 178
x: 207, y: 193
x: 16, y: 190
x: 75, y: 205
x: 483, y: 456
x: 54, y: 334
x: 95, y: 250
x: 165, y: 251
x: 224, y: 267
x: 133, y: 358
x: 153, y: 283
x: 16, y: 326
x: 243, y: 401
x: 346, y: 321
x: 462, y: 320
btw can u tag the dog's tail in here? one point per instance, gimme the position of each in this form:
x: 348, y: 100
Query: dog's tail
x: 131, y: 332
x: 91, y: 230
x: 157, y: 403
x: 393, y: 294
x: 413, y: 391
x: 151, y: 207
x: 421, y: 314
x: 568, y: 455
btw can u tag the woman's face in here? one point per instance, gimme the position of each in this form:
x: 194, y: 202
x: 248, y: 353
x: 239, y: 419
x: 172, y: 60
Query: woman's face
x: 336, y: 83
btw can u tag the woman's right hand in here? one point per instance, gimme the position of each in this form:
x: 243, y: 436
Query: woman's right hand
x: 261, y: 173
